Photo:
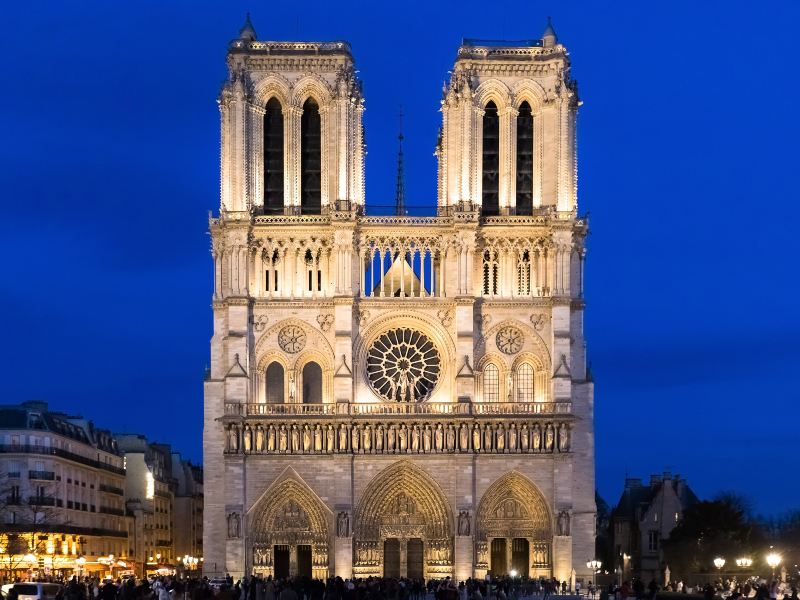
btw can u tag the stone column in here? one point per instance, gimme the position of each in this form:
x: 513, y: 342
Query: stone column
x: 293, y: 560
x: 404, y: 557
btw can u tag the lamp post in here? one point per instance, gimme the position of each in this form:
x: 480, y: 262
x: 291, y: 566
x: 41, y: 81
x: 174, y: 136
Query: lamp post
x: 744, y: 562
x: 773, y: 560
x: 594, y: 565
x: 719, y: 562
x: 80, y: 561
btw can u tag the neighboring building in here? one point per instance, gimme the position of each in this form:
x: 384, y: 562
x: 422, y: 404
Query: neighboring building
x: 61, y: 495
x: 149, y: 493
x: 395, y: 395
x: 188, y: 508
x: 643, y: 518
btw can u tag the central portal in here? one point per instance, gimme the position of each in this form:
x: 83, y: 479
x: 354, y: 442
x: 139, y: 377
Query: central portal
x: 415, y: 559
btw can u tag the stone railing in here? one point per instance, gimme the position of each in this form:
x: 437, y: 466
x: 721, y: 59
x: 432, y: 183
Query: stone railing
x: 368, y: 409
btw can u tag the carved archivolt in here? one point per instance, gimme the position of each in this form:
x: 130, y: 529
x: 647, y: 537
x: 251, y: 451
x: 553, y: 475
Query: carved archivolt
x: 533, y: 341
x: 403, y: 500
x: 514, y: 507
x: 289, y: 513
x: 268, y: 343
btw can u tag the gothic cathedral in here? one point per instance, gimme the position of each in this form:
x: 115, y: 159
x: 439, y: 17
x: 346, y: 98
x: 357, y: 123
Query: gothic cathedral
x: 396, y: 395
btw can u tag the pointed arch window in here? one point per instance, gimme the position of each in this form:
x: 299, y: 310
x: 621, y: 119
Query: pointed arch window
x: 524, y: 274
x: 491, y: 273
x: 490, y: 195
x: 273, y: 157
x: 524, y: 383
x: 491, y: 383
x: 525, y: 160
x: 274, y: 383
x: 312, y: 383
x: 310, y: 159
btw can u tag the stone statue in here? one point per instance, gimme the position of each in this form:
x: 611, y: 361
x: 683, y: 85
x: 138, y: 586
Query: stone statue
x: 501, y: 438
x: 476, y: 438
x: 415, y: 439
x: 317, y: 439
x: 233, y: 439
x: 403, y: 438
x: 342, y: 438
x: 355, y: 439
x: 510, y: 387
x: 563, y: 523
x: 292, y: 387
x: 343, y: 524
x: 563, y: 438
x: 295, y: 439
x: 390, y: 438
x: 549, y: 438
x: 330, y: 439
x: 439, y: 437
x: 260, y: 439
x: 248, y: 440
x: 306, y: 439
x: 379, y: 439
x: 488, y: 434
x: 282, y: 439
x: 367, y: 439
x: 512, y: 438
x: 537, y: 438
x: 450, y: 439
x: 233, y: 526
x: 523, y: 437
x: 271, y: 439
x: 463, y: 438
x: 426, y: 439
x: 463, y: 523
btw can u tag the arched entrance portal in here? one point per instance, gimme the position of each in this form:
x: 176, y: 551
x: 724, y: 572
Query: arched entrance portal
x: 513, y: 529
x: 403, y: 526
x: 289, y: 532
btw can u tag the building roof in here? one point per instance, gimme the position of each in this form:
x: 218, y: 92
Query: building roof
x: 637, y: 497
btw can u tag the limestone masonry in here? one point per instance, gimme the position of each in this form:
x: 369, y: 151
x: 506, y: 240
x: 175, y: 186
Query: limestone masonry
x: 395, y: 395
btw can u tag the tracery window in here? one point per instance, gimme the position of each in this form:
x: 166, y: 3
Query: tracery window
x: 274, y: 383
x: 403, y: 365
x: 490, y: 195
x: 491, y: 383
x: 273, y: 157
x: 524, y: 383
x: 524, y: 274
x: 525, y: 160
x: 310, y: 159
x: 491, y: 273
x: 313, y: 272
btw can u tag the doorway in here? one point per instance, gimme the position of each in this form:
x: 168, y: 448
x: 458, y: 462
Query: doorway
x: 415, y: 558
x: 281, y: 561
x: 391, y: 558
x: 520, y: 556
x: 304, y: 561
x: 498, y: 557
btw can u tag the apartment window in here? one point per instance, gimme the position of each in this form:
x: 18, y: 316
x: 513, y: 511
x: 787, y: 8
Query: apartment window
x: 677, y: 517
x: 652, y: 540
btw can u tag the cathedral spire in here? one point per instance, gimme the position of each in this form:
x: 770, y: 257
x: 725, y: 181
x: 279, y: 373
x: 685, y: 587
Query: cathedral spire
x: 247, y: 32
x: 549, y: 37
x: 400, y: 193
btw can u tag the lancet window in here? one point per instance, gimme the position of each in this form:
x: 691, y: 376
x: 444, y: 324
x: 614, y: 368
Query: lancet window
x: 312, y: 383
x: 271, y: 272
x: 313, y: 271
x: 524, y: 160
x: 524, y: 273
x: 310, y: 159
x: 274, y: 383
x: 491, y: 272
x: 491, y: 383
x: 273, y: 157
x: 524, y: 383
x: 491, y: 160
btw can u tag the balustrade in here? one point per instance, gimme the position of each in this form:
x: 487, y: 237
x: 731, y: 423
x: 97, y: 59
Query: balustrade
x: 234, y: 409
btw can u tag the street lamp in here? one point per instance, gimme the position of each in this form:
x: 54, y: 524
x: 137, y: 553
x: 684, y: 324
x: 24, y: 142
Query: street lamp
x: 513, y: 572
x: 80, y: 561
x: 719, y: 562
x: 744, y: 562
x: 773, y: 560
x: 594, y: 565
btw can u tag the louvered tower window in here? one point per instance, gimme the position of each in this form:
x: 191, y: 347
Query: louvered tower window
x: 491, y: 160
x: 310, y: 159
x: 525, y: 160
x: 273, y: 157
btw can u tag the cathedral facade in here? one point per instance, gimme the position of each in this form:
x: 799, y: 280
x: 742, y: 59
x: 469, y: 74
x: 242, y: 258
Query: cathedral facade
x: 395, y: 395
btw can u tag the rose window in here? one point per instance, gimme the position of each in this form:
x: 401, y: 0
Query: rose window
x: 403, y: 365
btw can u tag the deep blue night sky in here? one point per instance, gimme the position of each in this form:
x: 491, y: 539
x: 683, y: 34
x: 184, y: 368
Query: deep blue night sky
x: 688, y: 162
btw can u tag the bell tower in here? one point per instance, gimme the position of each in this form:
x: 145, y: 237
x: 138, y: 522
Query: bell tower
x: 507, y: 142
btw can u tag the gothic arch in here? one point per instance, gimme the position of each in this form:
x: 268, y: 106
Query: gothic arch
x: 514, y: 507
x: 534, y: 344
x: 267, y: 344
x: 311, y: 86
x: 493, y: 90
x: 273, y: 86
x: 429, y: 515
x: 289, y: 513
x: 501, y: 363
x: 528, y: 91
